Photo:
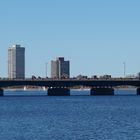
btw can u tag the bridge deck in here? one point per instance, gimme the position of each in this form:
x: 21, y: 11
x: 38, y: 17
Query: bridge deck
x: 71, y: 82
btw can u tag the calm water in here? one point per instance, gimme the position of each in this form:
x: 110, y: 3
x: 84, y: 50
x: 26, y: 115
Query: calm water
x: 69, y: 118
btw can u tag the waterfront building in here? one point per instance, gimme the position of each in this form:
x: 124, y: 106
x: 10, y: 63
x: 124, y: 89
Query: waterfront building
x: 60, y: 68
x: 16, y: 62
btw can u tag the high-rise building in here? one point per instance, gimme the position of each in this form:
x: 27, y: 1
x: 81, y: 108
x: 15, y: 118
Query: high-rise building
x: 16, y: 62
x: 60, y: 68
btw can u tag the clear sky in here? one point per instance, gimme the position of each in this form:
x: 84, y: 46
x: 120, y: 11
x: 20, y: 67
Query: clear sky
x: 97, y: 36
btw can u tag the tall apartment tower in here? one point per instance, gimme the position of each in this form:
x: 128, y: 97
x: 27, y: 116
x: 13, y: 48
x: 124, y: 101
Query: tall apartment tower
x: 60, y: 68
x: 16, y: 62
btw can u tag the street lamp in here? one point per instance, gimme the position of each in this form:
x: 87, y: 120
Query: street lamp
x: 46, y: 69
x: 124, y: 68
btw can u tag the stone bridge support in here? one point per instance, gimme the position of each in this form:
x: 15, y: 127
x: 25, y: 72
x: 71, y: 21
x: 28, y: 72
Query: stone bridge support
x: 102, y: 91
x: 138, y: 91
x: 58, y: 91
x: 1, y: 92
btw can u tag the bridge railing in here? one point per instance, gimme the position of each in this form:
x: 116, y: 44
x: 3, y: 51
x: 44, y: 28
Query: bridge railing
x: 72, y: 79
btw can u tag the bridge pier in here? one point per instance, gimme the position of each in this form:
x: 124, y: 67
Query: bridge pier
x: 101, y: 91
x: 1, y: 92
x: 58, y: 91
x: 138, y: 91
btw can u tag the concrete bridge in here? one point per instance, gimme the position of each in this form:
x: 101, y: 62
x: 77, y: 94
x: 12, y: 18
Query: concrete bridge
x: 61, y: 87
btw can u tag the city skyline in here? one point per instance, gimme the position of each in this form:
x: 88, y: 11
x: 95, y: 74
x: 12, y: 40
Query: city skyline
x: 59, y: 67
x: 96, y: 36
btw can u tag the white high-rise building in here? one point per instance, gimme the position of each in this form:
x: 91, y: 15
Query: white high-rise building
x: 60, y: 68
x: 16, y: 62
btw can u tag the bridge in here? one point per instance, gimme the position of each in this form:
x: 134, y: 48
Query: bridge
x: 61, y: 87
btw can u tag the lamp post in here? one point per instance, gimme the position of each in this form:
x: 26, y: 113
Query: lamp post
x: 124, y: 68
x: 46, y: 69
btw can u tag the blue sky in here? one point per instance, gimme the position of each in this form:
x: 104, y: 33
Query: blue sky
x: 97, y: 36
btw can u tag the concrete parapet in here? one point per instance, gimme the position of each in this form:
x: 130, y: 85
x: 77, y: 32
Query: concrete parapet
x: 1, y: 92
x: 102, y: 91
x: 58, y: 92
